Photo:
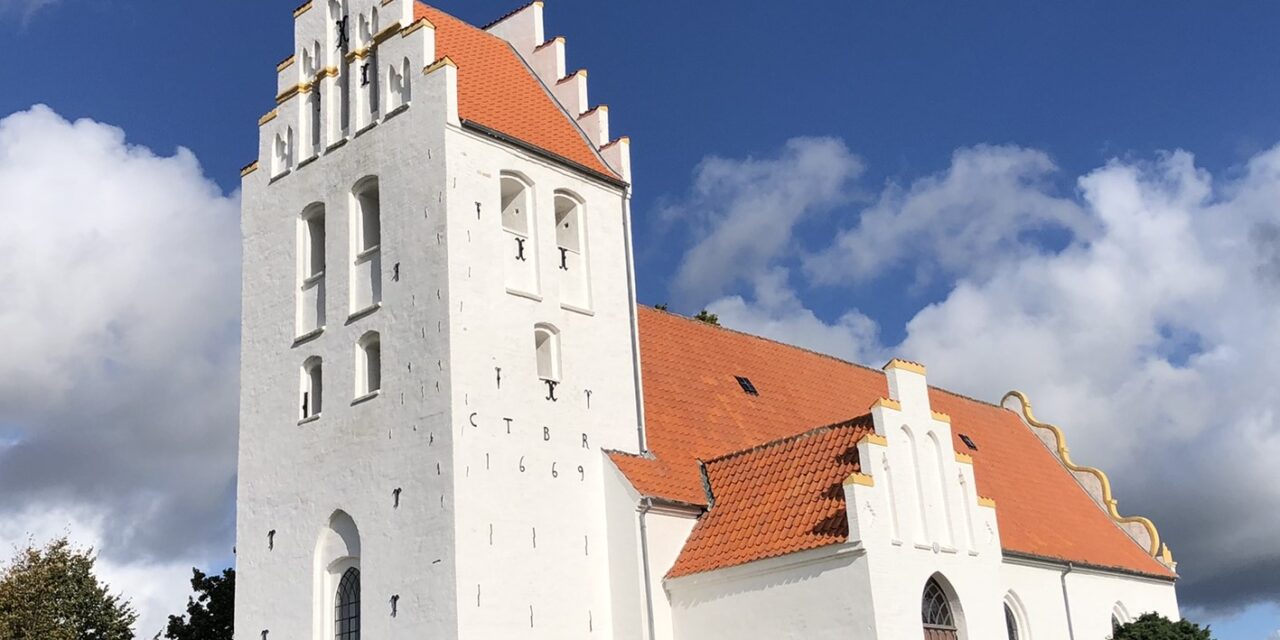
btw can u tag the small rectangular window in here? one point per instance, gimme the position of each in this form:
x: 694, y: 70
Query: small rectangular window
x: 747, y: 387
x: 968, y: 442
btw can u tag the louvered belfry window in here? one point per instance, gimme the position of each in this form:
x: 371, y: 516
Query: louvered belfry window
x: 939, y: 623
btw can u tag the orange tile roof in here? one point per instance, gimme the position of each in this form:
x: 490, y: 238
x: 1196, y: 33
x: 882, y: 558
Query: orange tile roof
x: 695, y: 410
x: 498, y: 91
x: 766, y: 507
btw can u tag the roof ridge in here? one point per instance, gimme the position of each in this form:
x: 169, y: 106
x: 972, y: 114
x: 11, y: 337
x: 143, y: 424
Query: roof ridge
x: 843, y: 424
x: 809, y: 351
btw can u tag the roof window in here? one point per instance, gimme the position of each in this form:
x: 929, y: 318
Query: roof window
x: 747, y: 387
x: 968, y: 442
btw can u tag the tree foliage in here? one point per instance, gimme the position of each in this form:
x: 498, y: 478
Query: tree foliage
x: 1151, y: 626
x: 709, y: 318
x: 51, y: 593
x: 211, y: 612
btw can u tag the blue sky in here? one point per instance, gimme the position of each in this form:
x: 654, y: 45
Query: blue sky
x: 868, y: 118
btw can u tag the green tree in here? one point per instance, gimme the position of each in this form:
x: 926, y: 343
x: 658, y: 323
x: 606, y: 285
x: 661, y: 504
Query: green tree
x: 211, y: 613
x: 51, y: 593
x: 1152, y: 626
x: 709, y: 318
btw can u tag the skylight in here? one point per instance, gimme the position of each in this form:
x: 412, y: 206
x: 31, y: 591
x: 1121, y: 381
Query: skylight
x: 968, y: 442
x: 747, y: 387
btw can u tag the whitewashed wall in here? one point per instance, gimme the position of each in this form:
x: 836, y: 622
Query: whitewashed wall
x: 531, y: 527
x: 293, y: 477
x: 812, y: 594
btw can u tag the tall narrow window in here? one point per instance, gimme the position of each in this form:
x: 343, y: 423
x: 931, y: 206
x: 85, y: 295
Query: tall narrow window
x: 939, y: 621
x: 316, y: 118
x: 1010, y: 622
x: 346, y: 606
x: 546, y: 343
x: 366, y: 289
x: 311, y: 269
x: 519, y: 252
x: 312, y: 388
x: 368, y: 365
x: 571, y: 247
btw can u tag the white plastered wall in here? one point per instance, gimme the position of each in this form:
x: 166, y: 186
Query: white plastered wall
x: 811, y: 594
x: 1091, y: 594
x: 293, y: 477
x: 531, y: 527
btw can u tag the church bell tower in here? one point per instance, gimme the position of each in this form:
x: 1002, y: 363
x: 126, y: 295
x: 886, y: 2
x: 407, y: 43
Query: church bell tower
x: 438, y: 335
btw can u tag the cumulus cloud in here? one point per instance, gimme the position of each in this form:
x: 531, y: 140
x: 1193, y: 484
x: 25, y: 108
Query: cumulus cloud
x: 982, y: 209
x: 743, y: 212
x: 1146, y: 333
x: 119, y: 275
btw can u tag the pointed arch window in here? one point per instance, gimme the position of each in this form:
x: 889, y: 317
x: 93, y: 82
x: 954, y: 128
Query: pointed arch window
x: 939, y: 621
x: 346, y: 606
x: 1010, y: 623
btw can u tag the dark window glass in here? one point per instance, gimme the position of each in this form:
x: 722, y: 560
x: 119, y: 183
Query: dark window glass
x: 346, y: 614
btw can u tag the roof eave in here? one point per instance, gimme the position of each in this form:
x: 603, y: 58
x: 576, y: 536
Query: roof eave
x: 545, y: 154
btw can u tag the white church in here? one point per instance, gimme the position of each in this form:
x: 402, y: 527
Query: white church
x: 456, y: 422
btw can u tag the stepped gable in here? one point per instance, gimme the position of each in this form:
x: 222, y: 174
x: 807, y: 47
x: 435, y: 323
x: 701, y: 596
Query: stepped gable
x: 498, y: 91
x: 695, y: 409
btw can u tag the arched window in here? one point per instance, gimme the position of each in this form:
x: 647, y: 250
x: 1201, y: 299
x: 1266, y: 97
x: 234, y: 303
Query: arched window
x: 336, y: 589
x: 311, y: 269
x: 397, y: 85
x: 546, y: 341
x: 571, y: 243
x: 368, y: 365
x: 936, y: 614
x: 346, y: 606
x: 366, y: 234
x: 1015, y: 618
x: 312, y: 388
x: 1119, y: 616
x: 519, y: 249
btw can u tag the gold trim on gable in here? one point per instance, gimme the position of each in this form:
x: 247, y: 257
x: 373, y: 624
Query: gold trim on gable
x: 249, y: 168
x: 887, y: 404
x: 905, y: 365
x: 986, y: 502
x: 941, y: 417
x: 288, y: 93
x: 874, y: 438
x: 271, y: 115
x: 442, y: 62
x: 964, y: 458
x: 860, y: 479
x: 1064, y: 455
x: 301, y: 10
x: 284, y: 64
x: 404, y: 33
x: 383, y: 35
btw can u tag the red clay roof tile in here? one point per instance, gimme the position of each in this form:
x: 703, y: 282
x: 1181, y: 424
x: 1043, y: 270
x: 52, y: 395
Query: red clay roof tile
x: 498, y: 91
x: 695, y: 410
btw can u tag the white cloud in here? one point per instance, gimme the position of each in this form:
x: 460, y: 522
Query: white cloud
x: 1148, y: 336
x: 743, y: 212
x: 968, y: 218
x: 119, y: 271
